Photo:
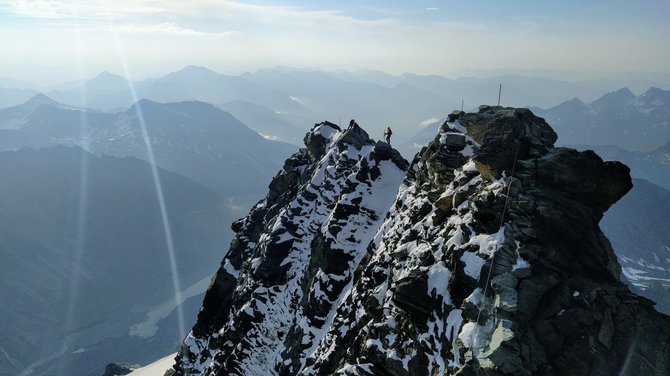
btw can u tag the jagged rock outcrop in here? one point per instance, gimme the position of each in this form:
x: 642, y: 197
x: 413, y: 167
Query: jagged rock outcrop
x: 293, y: 257
x: 485, y: 261
x: 118, y: 369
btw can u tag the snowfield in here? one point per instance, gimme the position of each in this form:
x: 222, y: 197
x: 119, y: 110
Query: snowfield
x: 156, y: 368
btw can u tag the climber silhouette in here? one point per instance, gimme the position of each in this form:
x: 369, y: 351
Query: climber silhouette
x: 352, y: 124
x: 388, y: 134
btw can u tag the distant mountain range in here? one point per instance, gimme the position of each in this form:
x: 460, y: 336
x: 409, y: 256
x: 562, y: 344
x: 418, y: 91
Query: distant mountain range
x: 638, y: 123
x: 267, y: 123
x: 194, y: 139
x: 402, y: 107
x: 14, y: 117
x: 85, y: 260
x: 81, y: 235
x: 303, y: 97
x: 108, y: 91
x: 228, y: 148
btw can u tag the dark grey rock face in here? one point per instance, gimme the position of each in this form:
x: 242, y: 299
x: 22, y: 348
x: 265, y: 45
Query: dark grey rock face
x: 455, y: 141
x: 485, y: 261
x: 118, y: 369
x: 509, y: 135
x: 294, y: 256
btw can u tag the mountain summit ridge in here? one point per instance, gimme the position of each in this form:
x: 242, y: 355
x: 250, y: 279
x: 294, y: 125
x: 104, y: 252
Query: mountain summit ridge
x: 331, y: 180
x: 485, y: 261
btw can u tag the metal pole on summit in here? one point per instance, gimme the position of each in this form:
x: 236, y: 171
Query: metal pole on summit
x: 499, y: 91
x: 462, y: 100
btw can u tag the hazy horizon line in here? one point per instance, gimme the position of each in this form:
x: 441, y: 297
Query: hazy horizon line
x: 567, y: 75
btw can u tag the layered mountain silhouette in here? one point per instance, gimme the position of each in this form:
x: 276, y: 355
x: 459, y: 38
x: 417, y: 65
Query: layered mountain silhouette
x: 374, y: 106
x: 264, y: 121
x: 300, y: 96
x: 85, y: 258
x: 194, y: 139
x: 14, y: 117
x: 93, y: 214
x: 108, y: 91
x: 637, y: 123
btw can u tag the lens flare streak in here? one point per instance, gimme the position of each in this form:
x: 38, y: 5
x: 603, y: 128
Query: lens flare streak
x: 156, y: 178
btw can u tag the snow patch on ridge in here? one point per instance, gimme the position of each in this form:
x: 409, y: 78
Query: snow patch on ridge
x: 342, y: 182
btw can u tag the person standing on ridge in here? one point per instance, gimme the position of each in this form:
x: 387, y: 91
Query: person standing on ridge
x: 388, y: 134
x: 352, y: 124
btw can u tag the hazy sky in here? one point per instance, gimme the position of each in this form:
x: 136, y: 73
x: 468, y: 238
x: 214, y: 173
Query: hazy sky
x: 41, y: 38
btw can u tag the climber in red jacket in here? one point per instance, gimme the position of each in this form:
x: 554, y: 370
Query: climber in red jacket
x: 388, y: 134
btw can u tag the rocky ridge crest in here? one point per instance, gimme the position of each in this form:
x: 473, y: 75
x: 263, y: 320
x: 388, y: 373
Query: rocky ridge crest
x: 486, y: 261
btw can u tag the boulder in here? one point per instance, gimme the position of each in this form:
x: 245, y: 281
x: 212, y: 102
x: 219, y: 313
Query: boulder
x: 411, y: 295
x: 118, y: 369
x: 509, y: 135
x: 455, y: 141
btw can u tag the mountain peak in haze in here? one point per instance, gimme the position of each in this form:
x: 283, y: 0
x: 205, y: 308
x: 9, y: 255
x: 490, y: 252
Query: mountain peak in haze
x: 576, y: 101
x: 106, y: 73
x: 143, y: 102
x: 196, y: 68
x: 655, y: 93
x: 620, y: 95
x: 40, y: 99
x: 193, y: 72
x: 636, y: 123
x: 624, y: 92
x: 573, y: 104
x: 14, y: 117
x: 106, y: 77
